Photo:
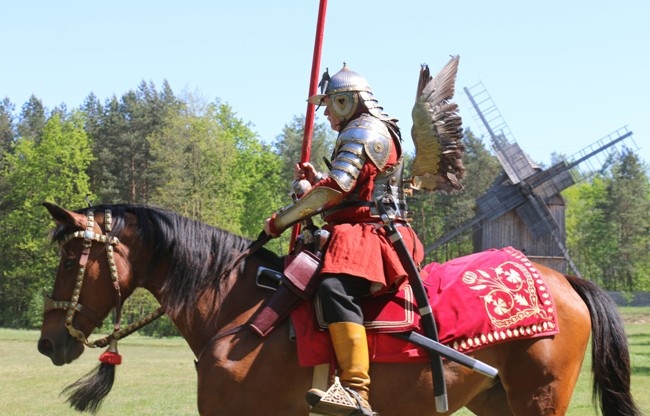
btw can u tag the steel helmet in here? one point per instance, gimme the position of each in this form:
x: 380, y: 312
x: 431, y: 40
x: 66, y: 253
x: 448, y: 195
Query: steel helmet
x: 346, y: 89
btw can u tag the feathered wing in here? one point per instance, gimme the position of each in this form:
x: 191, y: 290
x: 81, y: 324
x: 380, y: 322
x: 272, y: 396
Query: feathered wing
x: 437, y: 132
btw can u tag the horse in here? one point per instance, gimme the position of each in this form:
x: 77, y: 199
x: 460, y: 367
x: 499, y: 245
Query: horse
x: 191, y: 269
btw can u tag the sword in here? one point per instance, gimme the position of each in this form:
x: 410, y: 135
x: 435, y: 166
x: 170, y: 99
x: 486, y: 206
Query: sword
x: 448, y: 352
x: 426, y: 313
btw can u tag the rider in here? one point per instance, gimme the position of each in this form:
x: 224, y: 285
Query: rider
x: 359, y: 259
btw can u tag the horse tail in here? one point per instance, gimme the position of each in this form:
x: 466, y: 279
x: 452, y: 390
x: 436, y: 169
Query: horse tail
x: 609, y: 351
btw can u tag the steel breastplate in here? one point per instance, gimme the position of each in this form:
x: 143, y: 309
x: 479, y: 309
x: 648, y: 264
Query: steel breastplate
x: 387, y: 189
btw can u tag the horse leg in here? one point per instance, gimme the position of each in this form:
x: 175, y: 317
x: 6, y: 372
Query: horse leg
x: 539, y: 378
x: 241, y: 375
x: 491, y: 402
x: 407, y: 389
x: 539, y: 375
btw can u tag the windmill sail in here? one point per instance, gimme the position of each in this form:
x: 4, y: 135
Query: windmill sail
x: 524, y: 207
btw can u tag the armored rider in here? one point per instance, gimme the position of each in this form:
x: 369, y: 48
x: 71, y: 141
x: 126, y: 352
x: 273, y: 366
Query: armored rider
x: 359, y: 260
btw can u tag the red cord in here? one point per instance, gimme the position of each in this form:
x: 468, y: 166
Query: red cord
x: 109, y: 357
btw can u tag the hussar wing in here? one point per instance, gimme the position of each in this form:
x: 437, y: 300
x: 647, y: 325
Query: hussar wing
x: 437, y: 132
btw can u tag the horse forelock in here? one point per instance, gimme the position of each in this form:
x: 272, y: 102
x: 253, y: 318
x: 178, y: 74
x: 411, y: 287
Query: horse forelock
x: 61, y: 230
x: 197, y: 253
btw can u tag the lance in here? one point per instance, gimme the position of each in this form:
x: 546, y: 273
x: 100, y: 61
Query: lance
x: 305, y: 154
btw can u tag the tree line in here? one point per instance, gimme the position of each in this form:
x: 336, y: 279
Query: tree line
x: 196, y: 157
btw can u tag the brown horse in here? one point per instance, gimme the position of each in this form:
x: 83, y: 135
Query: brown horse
x: 181, y: 262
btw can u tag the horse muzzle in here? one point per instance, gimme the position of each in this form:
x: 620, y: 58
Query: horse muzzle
x: 59, y: 346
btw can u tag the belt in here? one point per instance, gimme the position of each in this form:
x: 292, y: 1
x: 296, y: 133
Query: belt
x: 369, y: 204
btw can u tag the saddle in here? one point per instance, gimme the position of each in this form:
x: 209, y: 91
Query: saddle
x: 297, y: 284
x: 478, y: 300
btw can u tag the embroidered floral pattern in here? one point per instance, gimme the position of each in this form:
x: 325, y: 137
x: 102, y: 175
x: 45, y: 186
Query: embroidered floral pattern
x: 509, y: 293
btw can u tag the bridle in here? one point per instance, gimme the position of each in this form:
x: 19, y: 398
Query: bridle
x: 73, y: 306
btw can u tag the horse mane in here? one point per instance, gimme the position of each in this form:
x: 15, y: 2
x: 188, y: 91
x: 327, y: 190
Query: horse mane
x: 197, y: 253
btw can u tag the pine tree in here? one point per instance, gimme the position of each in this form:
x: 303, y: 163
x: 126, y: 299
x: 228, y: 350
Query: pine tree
x: 32, y: 119
x: 628, y: 211
x: 608, y: 225
x: 120, y: 131
x: 288, y: 146
x: 6, y: 127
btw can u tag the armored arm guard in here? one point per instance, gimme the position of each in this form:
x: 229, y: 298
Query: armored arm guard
x: 313, y: 202
x: 366, y: 138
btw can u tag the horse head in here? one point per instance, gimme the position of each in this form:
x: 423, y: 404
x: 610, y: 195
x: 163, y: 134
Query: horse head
x: 92, y: 278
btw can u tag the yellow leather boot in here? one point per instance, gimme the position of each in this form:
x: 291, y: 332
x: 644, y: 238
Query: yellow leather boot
x: 350, y: 397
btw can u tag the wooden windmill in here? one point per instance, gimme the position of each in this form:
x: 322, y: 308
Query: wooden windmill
x: 523, y: 207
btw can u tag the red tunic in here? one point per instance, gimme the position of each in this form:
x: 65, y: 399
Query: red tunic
x: 358, y: 245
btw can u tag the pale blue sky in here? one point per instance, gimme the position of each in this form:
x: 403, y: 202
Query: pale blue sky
x: 563, y: 74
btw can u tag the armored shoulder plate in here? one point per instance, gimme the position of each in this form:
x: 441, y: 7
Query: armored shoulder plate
x: 373, y: 134
x: 363, y: 138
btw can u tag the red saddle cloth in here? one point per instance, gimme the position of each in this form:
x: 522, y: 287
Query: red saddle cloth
x: 478, y: 300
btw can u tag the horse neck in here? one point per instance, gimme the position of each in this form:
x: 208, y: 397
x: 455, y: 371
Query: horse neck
x: 237, y: 300
x: 241, y: 296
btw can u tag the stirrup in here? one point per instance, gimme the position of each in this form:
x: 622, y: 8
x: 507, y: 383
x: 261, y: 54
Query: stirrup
x: 337, y: 401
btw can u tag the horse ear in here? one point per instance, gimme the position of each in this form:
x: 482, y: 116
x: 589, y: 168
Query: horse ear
x: 63, y: 216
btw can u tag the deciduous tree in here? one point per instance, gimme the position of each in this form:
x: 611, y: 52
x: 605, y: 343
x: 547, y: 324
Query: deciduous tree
x: 51, y: 169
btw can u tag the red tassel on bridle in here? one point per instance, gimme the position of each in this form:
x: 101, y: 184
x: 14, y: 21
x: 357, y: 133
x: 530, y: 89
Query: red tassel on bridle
x: 109, y: 357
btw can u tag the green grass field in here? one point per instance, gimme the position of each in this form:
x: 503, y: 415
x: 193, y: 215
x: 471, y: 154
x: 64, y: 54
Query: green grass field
x: 157, y: 376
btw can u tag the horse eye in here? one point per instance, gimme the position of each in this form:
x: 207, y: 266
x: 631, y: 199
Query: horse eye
x: 68, y: 263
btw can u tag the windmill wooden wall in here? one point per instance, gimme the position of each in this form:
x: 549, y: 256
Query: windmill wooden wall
x: 510, y: 230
